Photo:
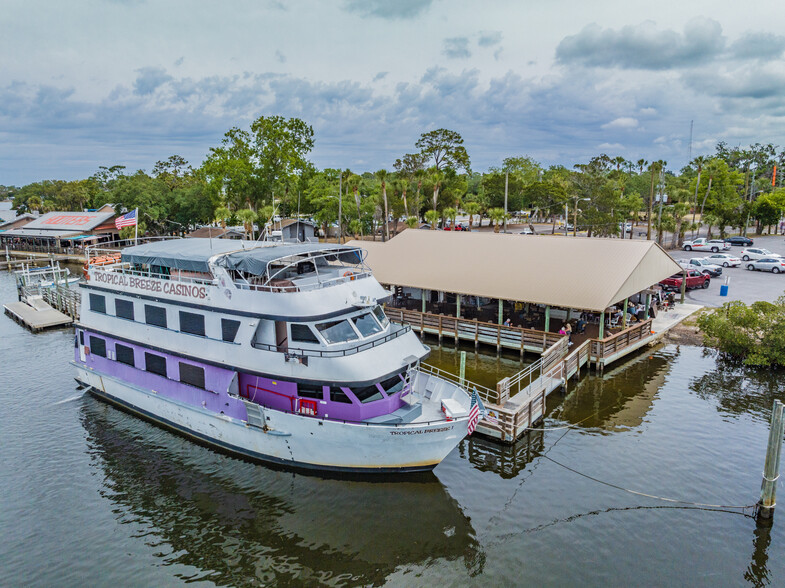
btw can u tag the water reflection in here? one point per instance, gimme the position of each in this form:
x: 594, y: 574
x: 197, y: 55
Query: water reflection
x: 739, y: 389
x: 621, y: 399
x: 506, y: 460
x: 240, y: 523
x: 757, y: 573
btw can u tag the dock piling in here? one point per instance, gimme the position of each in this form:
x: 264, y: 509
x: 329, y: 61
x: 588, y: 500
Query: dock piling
x: 771, y: 469
x: 462, y: 372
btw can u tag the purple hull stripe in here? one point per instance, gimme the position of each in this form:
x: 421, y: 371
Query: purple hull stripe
x: 218, y: 382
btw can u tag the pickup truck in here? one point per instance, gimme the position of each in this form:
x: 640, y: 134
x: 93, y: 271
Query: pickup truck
x: 702, y: 265
x: 703, y: 244
x: 695, y: 279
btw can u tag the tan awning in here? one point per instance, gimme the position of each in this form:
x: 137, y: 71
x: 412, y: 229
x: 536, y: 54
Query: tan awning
x: 568, y: 272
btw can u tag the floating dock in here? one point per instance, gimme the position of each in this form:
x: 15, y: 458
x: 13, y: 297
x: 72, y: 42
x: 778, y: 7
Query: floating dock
x: 36, y: 315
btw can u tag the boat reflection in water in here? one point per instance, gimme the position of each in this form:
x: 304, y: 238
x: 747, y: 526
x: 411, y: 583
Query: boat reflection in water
x: 238, y: 522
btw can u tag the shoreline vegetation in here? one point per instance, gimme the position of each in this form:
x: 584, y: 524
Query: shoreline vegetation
x: 263, y: 172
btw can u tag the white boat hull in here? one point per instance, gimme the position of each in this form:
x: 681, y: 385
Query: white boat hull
x: 292, y: 439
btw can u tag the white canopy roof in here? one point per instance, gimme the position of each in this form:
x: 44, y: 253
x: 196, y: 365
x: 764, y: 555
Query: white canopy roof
x: 568, y: 272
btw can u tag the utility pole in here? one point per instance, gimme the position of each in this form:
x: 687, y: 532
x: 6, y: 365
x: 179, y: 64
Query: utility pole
x: 506, y: 177
x: 340, y: 207
x: 659, y: 214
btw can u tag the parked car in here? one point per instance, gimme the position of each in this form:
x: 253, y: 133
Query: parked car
x: 527, y: 231
x: 774, y: 265
x: 755, y: 253
x: 702, y: 265
x: 695, y: 279
x: 723, y: 259
x: 703, y: 244
x: 739, y: 240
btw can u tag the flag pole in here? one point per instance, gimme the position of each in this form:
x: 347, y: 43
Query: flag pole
x: 136, y: 227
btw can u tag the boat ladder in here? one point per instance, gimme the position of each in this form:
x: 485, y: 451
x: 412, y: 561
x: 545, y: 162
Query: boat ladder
x: 255, y: 414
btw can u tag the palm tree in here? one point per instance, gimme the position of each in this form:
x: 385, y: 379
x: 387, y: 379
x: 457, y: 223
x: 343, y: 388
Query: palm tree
x: 382, y: 175
x: 412, y: 222
x: 497, y: 215
x: 355, y: 227
x: 437, y: 177
x: 248, y: 217
x: 472, y: 208
x: 354, y: 182
x: 432, y: 217
x: 451, y: 213
x: 222, y: 214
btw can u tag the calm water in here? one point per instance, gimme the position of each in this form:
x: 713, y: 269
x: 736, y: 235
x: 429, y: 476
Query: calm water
x: 90, y: 496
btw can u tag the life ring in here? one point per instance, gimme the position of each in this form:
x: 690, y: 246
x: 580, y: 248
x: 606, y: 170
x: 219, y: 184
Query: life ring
x: 349, y: 274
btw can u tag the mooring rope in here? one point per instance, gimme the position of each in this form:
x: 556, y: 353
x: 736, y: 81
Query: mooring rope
x: 654, y: 496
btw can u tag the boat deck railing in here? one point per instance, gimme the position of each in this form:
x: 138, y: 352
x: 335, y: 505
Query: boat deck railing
x: 294, y: 353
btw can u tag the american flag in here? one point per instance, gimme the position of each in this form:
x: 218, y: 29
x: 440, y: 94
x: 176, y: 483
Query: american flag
x: 474, y: 412
x: 127, y: 220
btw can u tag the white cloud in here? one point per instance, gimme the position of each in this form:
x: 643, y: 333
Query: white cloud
x: 624, y: 122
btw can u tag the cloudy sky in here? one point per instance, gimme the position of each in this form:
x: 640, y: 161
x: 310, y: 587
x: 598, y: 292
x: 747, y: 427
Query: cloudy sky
x: 85, y: 83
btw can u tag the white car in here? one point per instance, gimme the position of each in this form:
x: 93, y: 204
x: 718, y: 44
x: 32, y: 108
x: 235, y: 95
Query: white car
x: 755, y: 253
x: 527, y: 231
x: 723, y: 259
x: 767, y: 264
x: 703, y: 244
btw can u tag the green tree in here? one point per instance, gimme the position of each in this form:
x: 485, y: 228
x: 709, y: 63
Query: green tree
x: 498, y: 217
x: 754, y: 334
x: 472, y: 208
x: 432, y: 218
x: 445, y: 148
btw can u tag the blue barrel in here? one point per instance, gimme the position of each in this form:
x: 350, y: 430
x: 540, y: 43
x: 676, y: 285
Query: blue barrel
x: 724, y: 290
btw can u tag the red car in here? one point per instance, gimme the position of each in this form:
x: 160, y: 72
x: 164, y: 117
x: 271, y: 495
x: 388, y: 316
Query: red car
x: 695, y: 279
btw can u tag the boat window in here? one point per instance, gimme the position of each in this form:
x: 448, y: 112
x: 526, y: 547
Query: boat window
x: 366, y: 324
x: 124, y: 308
x: 192, y: 323
x: 155, y: 364
x: 303, y: 334
x: 367, y: 394
x: 155, y: 315
x: 392, y: 385
x: 98, y: 303
x: 229, y: 329
x: 97, y: 346
x: 124, y: 354
x: 379, y: 312
x: 338, y: 395
x: 192, y: 375
x: 337, y: 331
x: 306, y: 391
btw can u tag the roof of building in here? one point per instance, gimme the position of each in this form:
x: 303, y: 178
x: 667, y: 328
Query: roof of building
x: 247, y: 256
x: 18, y: 221
x: 580, y: 273
x: 290, y: 221
x: 26, y: 232
x: 69, y: 221
x: 216, y: 232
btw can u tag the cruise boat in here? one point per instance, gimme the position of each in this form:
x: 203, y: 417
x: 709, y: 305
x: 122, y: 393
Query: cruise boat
x: 279, y: 352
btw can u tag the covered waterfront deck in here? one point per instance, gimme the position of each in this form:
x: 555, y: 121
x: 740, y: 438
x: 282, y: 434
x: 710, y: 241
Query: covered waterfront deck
x: 506, y: 291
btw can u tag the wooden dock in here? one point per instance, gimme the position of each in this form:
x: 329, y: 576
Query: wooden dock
x: 518, y: 403
x: 36, y: 315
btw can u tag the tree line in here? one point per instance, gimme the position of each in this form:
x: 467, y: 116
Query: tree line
x: 264, y: 171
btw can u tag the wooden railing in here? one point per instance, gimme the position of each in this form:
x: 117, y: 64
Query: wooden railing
x: 473, y: 330
x: 604, y: 348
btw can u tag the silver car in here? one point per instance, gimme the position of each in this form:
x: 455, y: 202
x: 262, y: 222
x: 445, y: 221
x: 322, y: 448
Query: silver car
x: 723, y: 259
x: 756, y: 253
x: 767, y: 264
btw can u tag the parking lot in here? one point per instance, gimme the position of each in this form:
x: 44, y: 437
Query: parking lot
x: 744, y: 285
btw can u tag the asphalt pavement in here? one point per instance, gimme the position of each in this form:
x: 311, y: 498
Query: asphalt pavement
x: 744, y: 285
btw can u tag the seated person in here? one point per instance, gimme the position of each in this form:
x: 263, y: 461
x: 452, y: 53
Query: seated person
x: 581, y: 325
